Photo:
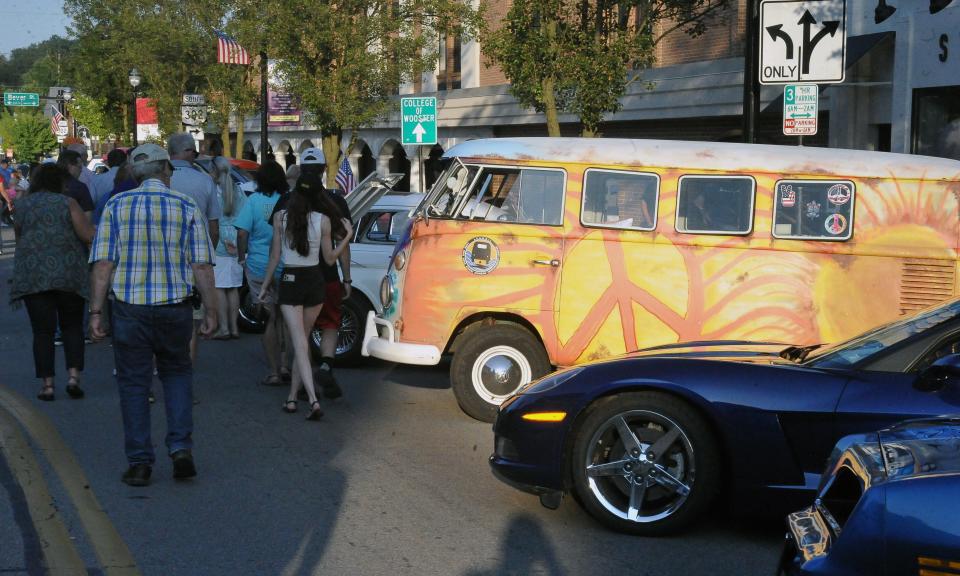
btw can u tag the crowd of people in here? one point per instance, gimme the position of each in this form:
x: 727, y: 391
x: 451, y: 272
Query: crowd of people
x: 152, y: 252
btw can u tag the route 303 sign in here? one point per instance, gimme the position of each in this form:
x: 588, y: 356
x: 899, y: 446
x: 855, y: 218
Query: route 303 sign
x: 802, y: 41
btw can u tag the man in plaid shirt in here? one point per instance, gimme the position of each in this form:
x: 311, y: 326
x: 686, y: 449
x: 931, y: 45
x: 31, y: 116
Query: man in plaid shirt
x: 151, y: 249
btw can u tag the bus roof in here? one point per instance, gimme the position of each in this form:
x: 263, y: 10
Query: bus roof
x: 723, y: 156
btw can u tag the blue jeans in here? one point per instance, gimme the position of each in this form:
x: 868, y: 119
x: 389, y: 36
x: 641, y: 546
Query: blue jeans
x: 140, y: 334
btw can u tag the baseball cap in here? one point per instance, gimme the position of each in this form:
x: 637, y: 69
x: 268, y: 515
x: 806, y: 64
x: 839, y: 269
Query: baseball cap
x: 148, y: 153
x: 312, y: 156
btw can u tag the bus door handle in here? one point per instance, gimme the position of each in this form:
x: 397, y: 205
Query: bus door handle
x: 555, y: 263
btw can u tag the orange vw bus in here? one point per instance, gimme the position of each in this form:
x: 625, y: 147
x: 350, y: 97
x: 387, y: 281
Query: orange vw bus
x: 533, y: 253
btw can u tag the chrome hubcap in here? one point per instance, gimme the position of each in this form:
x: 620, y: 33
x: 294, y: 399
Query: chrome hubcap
x: 347, y: 334
x: 498, y: 372
x: 640, y: 466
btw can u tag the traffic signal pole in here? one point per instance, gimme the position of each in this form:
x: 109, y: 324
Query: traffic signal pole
x: 751, y: 86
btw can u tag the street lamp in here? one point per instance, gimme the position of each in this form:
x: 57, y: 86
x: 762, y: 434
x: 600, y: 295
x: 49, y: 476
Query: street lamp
x: 134, y: 78
x: 67, y: 96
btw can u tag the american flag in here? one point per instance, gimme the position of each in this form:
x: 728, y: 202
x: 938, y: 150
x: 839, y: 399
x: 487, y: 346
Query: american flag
x: 229, y: 51
x: 345, y: 178
x: 55, y: 120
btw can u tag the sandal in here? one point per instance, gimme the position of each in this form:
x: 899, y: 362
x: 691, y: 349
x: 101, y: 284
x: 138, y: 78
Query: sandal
x: 290, y: 406
x: 73, y: 388
x: 272, y: 380
x: 46, y: 393
x: 315, y: 411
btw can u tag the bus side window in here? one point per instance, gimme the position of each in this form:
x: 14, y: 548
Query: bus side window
x: 715, y: 204
x: 618, y: 199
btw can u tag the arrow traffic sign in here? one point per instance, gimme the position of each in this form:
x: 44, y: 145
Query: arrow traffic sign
x: 805, y: 41
x: 418, y: 120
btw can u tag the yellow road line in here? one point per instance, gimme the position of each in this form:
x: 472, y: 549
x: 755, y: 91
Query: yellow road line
x: 112, y: 552
x: 59, y: 554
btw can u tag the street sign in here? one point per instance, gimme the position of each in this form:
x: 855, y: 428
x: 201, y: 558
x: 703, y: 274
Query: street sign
x: 21, y: 99
x: 193, y: 100
x: 418, y: 120
x: 193, y: 115
x: 802, y: 41
x: 62, y: 128
x: 800, y: 108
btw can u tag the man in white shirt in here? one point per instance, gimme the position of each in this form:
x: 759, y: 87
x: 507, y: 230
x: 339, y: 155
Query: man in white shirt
x: 103, y: 183
x: 192, y: 181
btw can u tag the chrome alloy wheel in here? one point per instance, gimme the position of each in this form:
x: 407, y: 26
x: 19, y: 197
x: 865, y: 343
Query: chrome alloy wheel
x: 498, y: 372
x: 640, y: 466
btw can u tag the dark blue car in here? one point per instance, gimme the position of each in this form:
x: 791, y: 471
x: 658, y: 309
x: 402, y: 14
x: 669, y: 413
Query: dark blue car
x: 646, y: 441
x: 888, y: 504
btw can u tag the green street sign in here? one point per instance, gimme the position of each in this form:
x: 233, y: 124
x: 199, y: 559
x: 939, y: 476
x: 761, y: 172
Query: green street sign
x: 418, y: 120
x: 21, y: 99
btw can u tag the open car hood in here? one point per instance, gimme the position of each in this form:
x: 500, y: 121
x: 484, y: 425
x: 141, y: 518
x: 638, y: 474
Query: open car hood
x: 368, y: 191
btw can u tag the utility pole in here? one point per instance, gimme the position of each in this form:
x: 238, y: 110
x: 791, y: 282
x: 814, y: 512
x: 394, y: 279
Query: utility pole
x: 263, y: 106
x: 751, y: 87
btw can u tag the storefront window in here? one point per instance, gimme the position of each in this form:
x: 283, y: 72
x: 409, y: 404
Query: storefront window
x: 936, y: 122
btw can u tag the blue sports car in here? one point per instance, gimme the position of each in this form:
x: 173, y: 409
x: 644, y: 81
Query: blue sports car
x: 646, y: 441
x: 888, y: 504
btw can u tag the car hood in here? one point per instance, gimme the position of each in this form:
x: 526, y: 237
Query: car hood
x: 729, y: 350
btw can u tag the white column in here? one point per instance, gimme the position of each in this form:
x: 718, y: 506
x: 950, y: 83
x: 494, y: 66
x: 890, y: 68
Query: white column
x: 470, y: 60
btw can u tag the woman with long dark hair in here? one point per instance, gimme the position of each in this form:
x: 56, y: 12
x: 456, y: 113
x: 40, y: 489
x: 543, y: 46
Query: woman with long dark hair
x: 50, y: 273
x: 302, y: 234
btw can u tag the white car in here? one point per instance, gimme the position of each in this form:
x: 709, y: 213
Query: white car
x: 376, y: 234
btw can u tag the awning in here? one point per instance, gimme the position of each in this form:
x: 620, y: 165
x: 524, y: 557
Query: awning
x: 857, y: 48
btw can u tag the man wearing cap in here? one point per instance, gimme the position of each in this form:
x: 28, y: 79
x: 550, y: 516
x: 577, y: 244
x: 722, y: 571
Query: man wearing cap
x: 86, y: 174
x: 151, y: 249
x: 313, y: 164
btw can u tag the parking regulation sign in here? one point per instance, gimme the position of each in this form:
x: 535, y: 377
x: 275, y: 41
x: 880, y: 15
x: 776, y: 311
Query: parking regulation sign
x: 418, y: 120
x: 800, y: 103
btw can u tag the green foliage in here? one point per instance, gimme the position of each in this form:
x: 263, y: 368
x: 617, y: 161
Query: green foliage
x: 90, y: 112
x: 578, y: 56
x: 28, y: 133
x: 345, y: 60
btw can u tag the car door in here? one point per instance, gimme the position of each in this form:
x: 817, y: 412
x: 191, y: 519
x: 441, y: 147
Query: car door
x: 876, y: 399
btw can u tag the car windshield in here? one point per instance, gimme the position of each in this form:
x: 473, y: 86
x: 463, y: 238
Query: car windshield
x: 853, y: 351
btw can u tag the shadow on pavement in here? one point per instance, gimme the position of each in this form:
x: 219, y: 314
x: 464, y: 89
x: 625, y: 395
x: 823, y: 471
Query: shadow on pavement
x: 524, y: 549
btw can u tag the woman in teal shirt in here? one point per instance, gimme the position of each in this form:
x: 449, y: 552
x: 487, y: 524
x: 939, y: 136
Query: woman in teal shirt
x: 254, y: 236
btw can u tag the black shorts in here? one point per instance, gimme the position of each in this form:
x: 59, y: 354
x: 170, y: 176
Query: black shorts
x: 302, y: 286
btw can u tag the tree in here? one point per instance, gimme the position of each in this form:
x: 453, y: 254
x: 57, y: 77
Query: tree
x: 579, y: 56
x: 28, y: 133
x: 345, y: 59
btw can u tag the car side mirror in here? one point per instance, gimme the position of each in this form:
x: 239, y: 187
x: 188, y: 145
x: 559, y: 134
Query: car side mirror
x: 938, y: 374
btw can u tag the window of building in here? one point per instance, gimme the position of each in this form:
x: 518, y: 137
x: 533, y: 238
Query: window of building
x: 936, y: 122
x: 448, y: 77
x: 813, y: 209
x: 715, y: 204
x: 618, y: 199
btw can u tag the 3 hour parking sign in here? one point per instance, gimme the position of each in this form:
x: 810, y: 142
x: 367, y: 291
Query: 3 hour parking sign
x: 802, y: 41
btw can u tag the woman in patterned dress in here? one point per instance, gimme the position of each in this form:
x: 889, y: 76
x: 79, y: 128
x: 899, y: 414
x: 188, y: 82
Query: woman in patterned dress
x: 51, y: 274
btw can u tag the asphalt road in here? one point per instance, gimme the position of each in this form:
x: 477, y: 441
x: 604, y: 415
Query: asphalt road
x: 393, y: 480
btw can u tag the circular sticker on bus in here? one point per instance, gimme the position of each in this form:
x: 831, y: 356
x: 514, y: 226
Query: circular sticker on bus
x: 481, y: 255
x: 835, y: 224
x: 839, y: 194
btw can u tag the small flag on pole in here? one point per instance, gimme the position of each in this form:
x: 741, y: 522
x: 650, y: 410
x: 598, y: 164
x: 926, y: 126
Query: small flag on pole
x: 55, y: 120
x: 345, y: 177
x: 229, y: 50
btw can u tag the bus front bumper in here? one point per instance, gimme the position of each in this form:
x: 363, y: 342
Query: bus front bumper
x: 387, y: 347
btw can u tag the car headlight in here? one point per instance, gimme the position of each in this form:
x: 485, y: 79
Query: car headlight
x: 386, y: 291
x: 550, y: 381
